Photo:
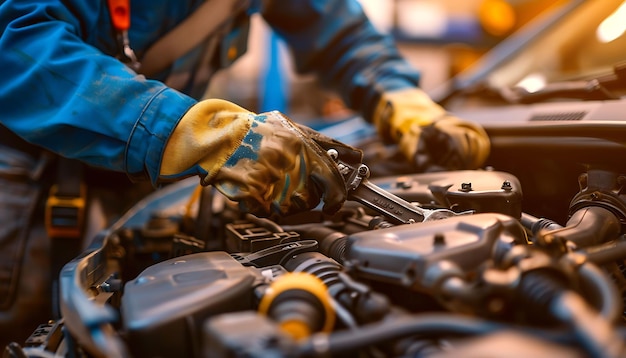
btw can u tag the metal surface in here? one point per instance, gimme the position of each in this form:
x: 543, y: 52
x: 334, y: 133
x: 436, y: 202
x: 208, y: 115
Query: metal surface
x: 400, y: 211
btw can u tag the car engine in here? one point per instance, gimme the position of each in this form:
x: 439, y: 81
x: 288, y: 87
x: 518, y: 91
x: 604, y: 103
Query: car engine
x: 522, y: 258
x: 186, y: 273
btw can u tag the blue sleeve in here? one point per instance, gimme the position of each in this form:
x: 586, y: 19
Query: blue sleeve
x: 59, y: 91
x: 335, y: 40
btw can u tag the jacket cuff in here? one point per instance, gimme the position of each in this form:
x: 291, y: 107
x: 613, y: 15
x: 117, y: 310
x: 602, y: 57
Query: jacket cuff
x: 150, y: 133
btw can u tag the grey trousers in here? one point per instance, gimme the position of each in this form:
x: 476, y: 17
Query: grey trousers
x: 24, y: 258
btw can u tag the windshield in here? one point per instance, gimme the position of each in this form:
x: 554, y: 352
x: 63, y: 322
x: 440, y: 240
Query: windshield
x: 579, y: 40
x: 587, y: 43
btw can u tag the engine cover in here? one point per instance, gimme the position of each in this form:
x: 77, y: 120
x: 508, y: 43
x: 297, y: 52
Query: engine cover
x: 402, y: 254
x: 166, y: 304
x: 481, y: 191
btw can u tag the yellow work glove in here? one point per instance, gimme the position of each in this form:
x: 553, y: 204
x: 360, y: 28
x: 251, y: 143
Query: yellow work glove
x: 427, y: 135
x: 264, y: 162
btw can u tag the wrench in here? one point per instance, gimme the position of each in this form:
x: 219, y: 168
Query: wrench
x: 400, y: 211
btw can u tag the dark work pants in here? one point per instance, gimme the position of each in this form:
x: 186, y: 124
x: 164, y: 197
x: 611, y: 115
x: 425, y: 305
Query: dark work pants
x: 24, y: 260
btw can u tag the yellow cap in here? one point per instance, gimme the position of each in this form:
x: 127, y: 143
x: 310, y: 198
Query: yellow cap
x: 305, y: 282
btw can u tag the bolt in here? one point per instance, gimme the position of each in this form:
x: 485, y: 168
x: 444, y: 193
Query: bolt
x: 506, y: 186
x: 404, y: 183
x: 466, y: 187
x: 333, y: 154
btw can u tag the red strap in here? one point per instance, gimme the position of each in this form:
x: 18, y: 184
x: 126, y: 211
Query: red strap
x: 120, y: 13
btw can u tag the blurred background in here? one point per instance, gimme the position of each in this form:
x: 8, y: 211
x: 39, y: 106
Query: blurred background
x: 439, y: 37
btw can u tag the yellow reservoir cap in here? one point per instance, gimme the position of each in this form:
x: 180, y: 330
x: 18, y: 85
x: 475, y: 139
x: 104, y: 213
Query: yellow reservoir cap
x: 301, y: 281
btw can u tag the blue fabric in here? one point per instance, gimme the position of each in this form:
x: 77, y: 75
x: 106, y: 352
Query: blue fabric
x: 62, y: 89
x: 273, y: 85
x: 335, y: 41
x: 250, y: 145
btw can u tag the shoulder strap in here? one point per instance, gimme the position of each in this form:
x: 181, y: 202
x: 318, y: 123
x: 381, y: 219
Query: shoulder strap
x: 188, y: 34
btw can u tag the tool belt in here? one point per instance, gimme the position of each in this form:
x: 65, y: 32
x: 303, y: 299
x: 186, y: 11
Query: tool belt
x: 66, y: 203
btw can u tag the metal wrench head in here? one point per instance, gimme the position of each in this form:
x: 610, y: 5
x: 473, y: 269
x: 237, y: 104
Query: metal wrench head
x: 438, y: 214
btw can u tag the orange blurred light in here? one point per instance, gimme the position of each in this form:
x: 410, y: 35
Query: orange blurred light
x: 497, y: 17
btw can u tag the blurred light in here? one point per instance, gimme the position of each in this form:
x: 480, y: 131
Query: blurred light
x: 496, y: 16
x: 532, y: 83
x: 613, y: 26
x: 425, y: 19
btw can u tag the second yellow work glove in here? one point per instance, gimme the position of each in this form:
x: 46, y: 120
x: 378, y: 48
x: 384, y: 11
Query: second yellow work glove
x: 264, y: 162
x: 427, y: 135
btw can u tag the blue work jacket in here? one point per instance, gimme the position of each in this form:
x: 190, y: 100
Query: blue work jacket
x: 61, y: 87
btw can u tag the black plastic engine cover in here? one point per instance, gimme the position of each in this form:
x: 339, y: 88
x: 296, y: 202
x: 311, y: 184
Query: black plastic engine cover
x: 402, y: 254
x: 165, y: 307
x: 482, y: 191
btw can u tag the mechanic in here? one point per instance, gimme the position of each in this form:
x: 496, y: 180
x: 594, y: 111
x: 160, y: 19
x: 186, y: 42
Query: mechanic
x: 119, y: 87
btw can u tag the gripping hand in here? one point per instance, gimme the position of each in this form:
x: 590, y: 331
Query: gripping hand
x: 265, y: 162
x: 427, y: 134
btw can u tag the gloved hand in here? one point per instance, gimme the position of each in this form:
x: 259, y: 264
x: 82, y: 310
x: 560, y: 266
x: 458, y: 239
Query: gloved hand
x: 264, y: 162
x: 427, y: 135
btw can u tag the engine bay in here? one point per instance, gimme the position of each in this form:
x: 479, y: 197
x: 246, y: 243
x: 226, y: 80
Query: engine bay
x: 186, y: 273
